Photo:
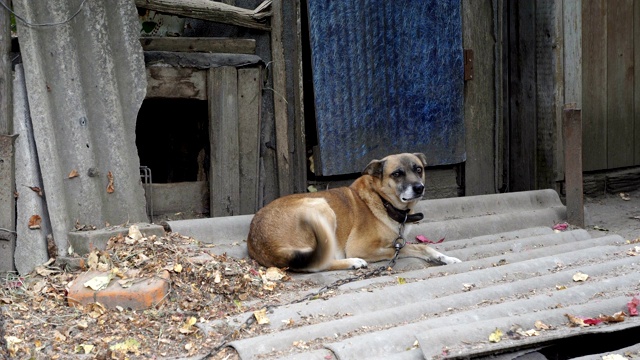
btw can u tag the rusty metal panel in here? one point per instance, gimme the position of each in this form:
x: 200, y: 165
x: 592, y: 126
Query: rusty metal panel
x: 387, y: 78
x: 85, y: 82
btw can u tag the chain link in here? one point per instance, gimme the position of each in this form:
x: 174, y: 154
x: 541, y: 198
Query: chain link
x: 398, y: 244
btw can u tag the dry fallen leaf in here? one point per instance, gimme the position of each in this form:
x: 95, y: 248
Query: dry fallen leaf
x: 269, y: 286
x: 575, y: 321
x: 275, y: 274
x: 580, y: 277
x: 84, y: 349
x: 541, y: 326
x: 99, y: 282
x: 261, y: 316
x: 36, y: 189
x: 130, y: 345
x: 92, y: 260
x: 73, y: 173
x: 110, y: 187
x: 625, y: 196
x: 95, y: 310
x: 617, y: 317
x: 496, y: 336
x: 187, y: 327
x: 34, y: 222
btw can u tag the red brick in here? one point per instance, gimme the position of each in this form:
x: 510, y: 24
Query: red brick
x: 143, y: 294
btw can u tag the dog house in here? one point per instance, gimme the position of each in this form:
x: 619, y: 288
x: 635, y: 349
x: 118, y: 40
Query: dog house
x: 198, y: 128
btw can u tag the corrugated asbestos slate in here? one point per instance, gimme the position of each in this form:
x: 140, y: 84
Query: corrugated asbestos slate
x: 387, y: 78
x: 85, y: 83
x: 516, y: 270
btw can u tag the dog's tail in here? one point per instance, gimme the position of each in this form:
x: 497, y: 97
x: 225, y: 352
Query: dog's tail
x: 321, y: 221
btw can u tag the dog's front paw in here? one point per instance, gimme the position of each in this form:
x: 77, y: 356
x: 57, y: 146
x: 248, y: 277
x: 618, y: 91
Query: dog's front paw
x: 357, y: 263
x: 448, y: 260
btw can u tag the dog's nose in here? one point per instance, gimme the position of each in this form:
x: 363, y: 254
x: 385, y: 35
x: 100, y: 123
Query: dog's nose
x: 418, y: 188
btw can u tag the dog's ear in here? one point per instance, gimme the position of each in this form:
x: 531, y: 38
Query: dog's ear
x: 422, y: 158
x: 374, y: 168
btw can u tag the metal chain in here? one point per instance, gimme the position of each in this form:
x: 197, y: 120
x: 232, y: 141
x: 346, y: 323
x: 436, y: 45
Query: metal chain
x: 398, y: 244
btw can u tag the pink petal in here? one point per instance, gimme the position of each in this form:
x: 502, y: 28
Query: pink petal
x: 592, y: 321
x: 633, y: 306
x: 561, y: 226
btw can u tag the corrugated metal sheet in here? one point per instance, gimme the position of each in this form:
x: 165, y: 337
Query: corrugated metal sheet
x: 388, y: 78
x: 85, y: 83
x: 516, y: 270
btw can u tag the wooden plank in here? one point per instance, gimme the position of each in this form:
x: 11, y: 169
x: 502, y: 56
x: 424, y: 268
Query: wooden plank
x: 522, y: 97
x: 619, y: 86
x: 222, y: 90
x: 211, y: 11
x: 594, y: 78
x: 285, y: 184
x: 636, y: 82
x: 249, y: 114
x: 199, y: 44
x: 549, y: 95
x: 483, y: 100
x: 173, y: 82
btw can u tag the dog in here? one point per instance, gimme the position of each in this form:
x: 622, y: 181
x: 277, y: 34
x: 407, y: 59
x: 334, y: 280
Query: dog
x: 346, y: 227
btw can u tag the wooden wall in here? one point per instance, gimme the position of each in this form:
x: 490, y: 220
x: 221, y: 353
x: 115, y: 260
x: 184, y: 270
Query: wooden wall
x: 610, y: 84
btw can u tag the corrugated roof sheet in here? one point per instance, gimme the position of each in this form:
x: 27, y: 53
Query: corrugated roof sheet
x: 516, y: 270
x: 85, y: 83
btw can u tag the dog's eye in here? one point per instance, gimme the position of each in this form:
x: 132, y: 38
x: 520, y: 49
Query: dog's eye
x: 397, y: 174
x: 418, y: 169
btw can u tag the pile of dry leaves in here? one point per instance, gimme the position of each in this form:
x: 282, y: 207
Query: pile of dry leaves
x: 203, y: 287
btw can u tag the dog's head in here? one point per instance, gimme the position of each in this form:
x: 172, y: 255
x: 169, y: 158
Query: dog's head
x: 399, y: 178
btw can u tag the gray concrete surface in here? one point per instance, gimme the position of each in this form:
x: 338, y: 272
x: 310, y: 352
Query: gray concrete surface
x: 83, y: 242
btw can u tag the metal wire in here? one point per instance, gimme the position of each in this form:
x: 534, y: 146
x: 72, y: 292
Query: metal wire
x: 24, y: 21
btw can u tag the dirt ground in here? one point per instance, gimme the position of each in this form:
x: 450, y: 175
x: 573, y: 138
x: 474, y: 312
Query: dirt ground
x: 612, y: 214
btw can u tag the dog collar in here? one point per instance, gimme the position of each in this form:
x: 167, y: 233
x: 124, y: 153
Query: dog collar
x: 401, y: 216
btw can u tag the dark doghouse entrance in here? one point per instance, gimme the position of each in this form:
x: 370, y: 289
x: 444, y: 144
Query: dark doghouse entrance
x: 172, y: 136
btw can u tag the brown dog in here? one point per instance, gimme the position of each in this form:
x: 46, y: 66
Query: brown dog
x: 345, y: 227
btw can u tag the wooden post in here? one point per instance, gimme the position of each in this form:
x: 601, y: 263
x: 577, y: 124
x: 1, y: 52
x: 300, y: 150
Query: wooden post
x: 249, y: 115
x: 572, y: 128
